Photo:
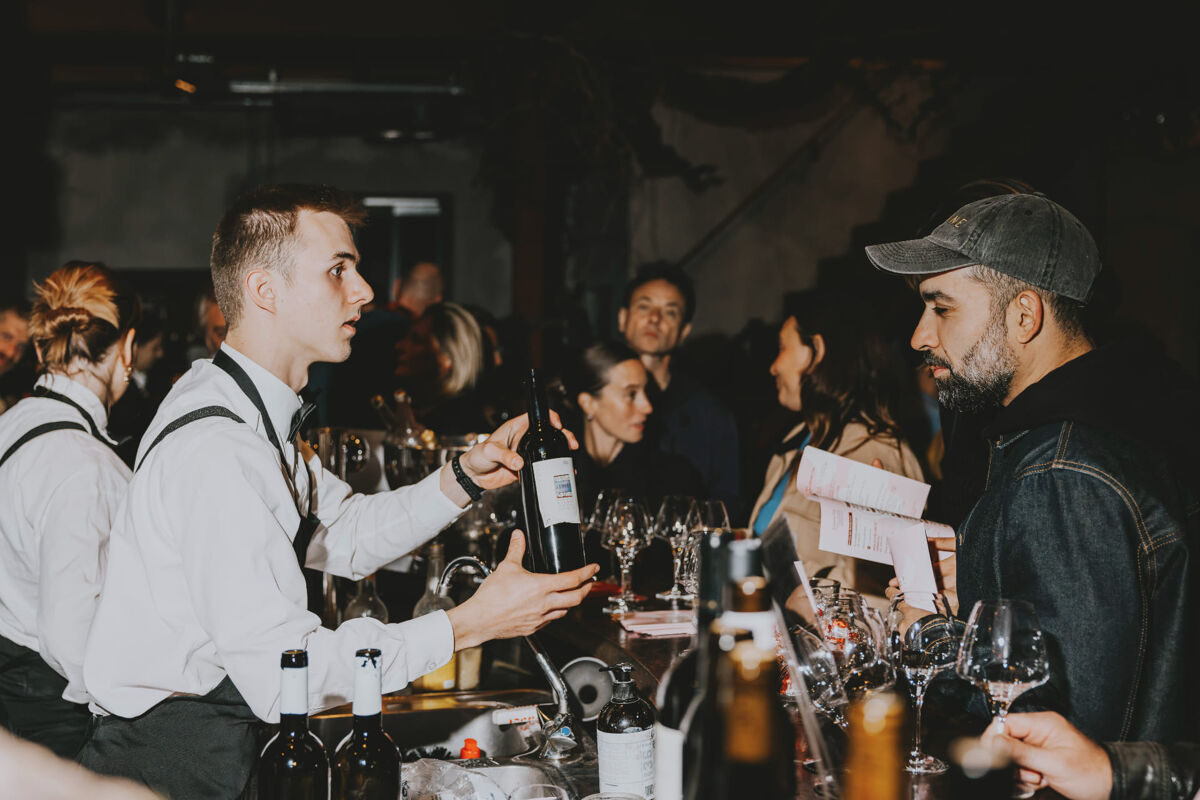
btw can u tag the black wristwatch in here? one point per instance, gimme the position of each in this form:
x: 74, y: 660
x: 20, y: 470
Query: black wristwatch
x: 469, y: 486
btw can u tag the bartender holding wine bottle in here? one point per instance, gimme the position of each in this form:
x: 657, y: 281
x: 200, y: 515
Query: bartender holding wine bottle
x: 204, y: 587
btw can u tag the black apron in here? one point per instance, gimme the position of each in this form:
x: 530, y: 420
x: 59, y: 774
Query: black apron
x: 202, y: 747
x: 31, y: 701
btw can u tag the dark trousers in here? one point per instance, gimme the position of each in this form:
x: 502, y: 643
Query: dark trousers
x: 185, y: 747
x: 31, y: 703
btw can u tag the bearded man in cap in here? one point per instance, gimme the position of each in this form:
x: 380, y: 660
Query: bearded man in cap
x: 1086, y: 513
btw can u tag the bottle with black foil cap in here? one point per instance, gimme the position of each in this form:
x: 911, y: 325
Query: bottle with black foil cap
x: 551, y: 502
x: 366, y: 765
x: 293, y: 765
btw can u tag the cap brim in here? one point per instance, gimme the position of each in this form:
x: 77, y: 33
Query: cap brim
x: 916, y: 257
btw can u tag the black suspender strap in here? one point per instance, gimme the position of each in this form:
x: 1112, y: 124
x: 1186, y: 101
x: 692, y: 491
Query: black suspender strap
x: 42, y: 391
x: 225, y: 362
x: 45, y: 427
x: 191, y: 416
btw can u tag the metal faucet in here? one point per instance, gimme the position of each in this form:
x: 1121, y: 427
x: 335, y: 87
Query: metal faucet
x: 559, y: 734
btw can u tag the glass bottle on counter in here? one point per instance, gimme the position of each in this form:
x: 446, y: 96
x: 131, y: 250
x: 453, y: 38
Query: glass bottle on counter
x: 366, y: 765
x: 874, y: 767
x: 625, y: 738
x: 293, y: 765
x: 554, y: 542
x: 366, y: 602
x: 444, y: 678
x: 681, y: 682
x: 755, y: 752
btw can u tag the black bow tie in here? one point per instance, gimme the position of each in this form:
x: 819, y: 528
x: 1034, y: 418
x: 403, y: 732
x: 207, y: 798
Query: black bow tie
x: 299, y: 417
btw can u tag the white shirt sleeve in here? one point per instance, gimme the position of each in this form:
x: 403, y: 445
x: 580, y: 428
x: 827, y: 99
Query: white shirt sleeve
x: 247, y: 592
x: 74, y: 527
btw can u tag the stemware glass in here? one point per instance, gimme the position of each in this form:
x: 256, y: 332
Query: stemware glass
x: 710, y: 515
x: 852, y: 635
x: 673, y: 526
x: 1003, y: 652
x: 626, y: 533
x: 924, y: 638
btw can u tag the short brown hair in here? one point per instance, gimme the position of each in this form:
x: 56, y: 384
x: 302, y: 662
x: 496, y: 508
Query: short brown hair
x: 81, y: 310
x: 258, y: 230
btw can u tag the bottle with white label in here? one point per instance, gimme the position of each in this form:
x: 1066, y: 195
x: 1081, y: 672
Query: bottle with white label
x: 366, y: 765
x: 551, y: 502
x: 625, y: 738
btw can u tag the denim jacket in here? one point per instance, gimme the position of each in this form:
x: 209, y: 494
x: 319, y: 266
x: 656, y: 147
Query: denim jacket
x: 1096, y: 529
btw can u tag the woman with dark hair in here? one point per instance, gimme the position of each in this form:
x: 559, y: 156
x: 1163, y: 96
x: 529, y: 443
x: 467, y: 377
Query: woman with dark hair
x: 606, y: 384
x: 62, y: 483
x: 832, y: 369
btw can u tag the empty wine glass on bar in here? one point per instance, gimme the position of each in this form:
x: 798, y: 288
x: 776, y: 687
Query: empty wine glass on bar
x: 1003, y: 652
x: 924, y: 638
x: 626, y: 533
x: 672, y: 525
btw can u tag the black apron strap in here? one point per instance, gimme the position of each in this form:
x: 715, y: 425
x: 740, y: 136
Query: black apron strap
x: 191, y: 416
x: 225, y: 362
x: 187, y: 748
x: 44, y: 428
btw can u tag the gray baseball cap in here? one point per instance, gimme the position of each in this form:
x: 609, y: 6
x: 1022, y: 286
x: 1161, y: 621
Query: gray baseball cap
x: 1027, y: 236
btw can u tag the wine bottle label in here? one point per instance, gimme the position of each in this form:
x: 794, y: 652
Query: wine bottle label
x: 668, y: 763
x: 554, y: 481
x: 627, y: 762
x: 293, y: 691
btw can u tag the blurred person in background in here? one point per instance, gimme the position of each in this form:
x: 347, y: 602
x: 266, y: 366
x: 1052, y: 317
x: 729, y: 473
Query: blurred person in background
x: 210, y: 327
x: 14, y: 338
x: 421, y: 288
x: 605, y: 385
x: 832, y: 371
x: 655, y: 318
x: 62, y: 483
x: 450, y: 402
x: 130, y: 416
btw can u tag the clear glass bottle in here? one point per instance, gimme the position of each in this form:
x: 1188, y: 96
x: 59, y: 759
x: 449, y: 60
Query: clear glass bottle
x: 366, y: 602
x: 445, y: 677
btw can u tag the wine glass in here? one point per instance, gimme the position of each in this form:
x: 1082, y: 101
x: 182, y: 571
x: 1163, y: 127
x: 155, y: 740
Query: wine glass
x: 710, y: 515
x: 1003, y: 652
x: 924, y: 638
x: 626, y: 533
x: 672, y: 526
x: 857, y: 647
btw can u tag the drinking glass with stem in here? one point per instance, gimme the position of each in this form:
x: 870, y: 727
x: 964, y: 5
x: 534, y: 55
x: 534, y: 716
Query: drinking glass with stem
x: 672, y: 525
x: 924, y: 639
x: 1003, y: 652
x: 626, y: 533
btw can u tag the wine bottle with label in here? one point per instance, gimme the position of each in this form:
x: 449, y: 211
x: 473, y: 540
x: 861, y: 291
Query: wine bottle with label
x: 293, y: 765
x: 625, y: 738
x: 682, y: 680
x: 875, y: 760
x: 366, y: 765
x: 548, y: 492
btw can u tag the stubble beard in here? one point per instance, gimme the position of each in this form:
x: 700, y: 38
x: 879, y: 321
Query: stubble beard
x: 986, y: 374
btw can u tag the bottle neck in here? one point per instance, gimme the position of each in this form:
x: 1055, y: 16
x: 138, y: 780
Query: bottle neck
x: 293, y: 725
x: 535, y: 395
x: 434, y: 569
x: 623, y: 692
x: 364, y: 725
x: 368, y: 701
x: 293, y: 692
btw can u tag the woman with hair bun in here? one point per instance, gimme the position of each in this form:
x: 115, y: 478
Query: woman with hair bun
x: 61, y: 482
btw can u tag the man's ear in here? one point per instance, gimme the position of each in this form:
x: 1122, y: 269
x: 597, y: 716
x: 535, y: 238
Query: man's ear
x: 622, y: 316
x: 684, y: 331
x: 1026, y: 316
x: 260, y: 288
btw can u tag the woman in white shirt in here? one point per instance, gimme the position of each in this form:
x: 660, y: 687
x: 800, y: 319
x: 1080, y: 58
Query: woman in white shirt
x: 61, y: 482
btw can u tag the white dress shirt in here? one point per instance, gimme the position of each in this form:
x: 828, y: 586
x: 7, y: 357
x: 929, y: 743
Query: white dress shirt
x: 60, y: 494
x: 202, y: 579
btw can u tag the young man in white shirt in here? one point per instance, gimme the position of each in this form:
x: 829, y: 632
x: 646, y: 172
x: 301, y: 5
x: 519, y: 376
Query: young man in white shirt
x: 204, y: 588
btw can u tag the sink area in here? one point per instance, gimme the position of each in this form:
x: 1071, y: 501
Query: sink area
x: 442, y: 720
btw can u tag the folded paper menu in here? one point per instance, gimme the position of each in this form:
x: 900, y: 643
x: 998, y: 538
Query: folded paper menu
x: 871, y: 514
x: 659, y: 623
